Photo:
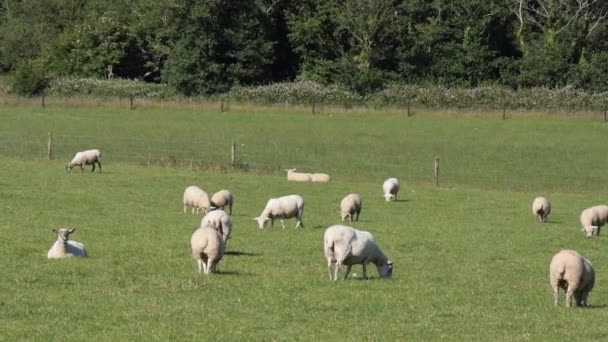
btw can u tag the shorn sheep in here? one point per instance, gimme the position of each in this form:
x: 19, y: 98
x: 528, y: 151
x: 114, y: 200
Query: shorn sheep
x: 345, y: 245
x: 282, y: 208
x: 65, y: 248
x: 196, y: 198
x: 294, y: 176
x: 541, y: 208
x: 320, y: 177
x: 207, y: 249
x: 350, y: 206
x: 222, y: 199
x: 88, y: 157
x: 220, y: 221
x: 390, y: 189
x: 573, y: 273
x: 592, y: 219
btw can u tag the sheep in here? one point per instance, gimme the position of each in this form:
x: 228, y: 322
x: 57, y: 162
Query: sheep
x: 573, y: 273
x: 220, y: 221
x: 222, y: 199
x: 207, y: 249
x: 320, y: 177
x: 350, y: 205
x: 196, y: 198
x: 293, y: 176
x: 64, y: 248
x: 345, y: 245
x: 390, y: 188
x: 592, y: 219
x: 83, y: 158
x: 541, y: 208
x: 282, y: 208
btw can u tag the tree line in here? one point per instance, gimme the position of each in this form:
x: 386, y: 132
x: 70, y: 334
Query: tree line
x: 210, y: 46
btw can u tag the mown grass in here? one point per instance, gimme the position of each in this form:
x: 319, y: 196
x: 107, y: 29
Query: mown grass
x: 470, y: 262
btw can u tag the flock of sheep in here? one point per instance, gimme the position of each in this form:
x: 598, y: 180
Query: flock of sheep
x: 343, y: 245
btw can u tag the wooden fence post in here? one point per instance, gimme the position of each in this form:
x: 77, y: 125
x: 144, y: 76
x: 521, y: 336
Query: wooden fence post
x: 313, y: 107
x: 131, y: 102
x: 436, y: 172
x: 221, y: 105
x: 43, y: 100
x: 504, y: 112
x: 233, y: 154
x: 606, y: 113
x: 49, y: 148
x: 409, y: 113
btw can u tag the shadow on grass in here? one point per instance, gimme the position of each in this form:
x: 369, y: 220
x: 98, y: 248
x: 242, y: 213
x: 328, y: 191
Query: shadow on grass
x: 601, y: 306
x: 402, y: 200
x: 233, y: 273
x: 239, y: 253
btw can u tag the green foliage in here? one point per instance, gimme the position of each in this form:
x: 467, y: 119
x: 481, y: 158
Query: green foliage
x: 74, y: 87
x: 300, y: 92
x: 29, y: 79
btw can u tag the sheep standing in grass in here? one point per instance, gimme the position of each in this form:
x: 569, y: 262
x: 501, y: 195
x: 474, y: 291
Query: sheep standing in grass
x: 294, y: 176
x: 345, y: 245
x: 221, y: 199
x: 220, y: 221
x: 351, y: 205
x: 592, y: 219
x: 320, y: 177
x: 573, y: 273
x: 390, y: 188
x: 282, y: 208
x: 65, y: 248
x: 196, y: 198
x: 541, y: 208
x: 207, y: 249
x: 88, y: 157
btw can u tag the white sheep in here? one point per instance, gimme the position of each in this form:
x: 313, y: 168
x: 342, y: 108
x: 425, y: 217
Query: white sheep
x: 351, y: 204
x: 294, y: 176
x: 320, y: 177
x: 207, y: 249
x: 220, y: 221
x: 592, y: 219
x: 196, y: 198
x: 83, y: 158
x: 282, y: 208
x: 390, y: 189
x: 345, y: 245
x: 65, y: 248
x: 541, y: 208
x: 221, y: 199
x: 573, y: 273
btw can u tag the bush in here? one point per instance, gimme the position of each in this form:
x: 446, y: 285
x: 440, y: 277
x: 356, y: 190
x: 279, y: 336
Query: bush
x: 300, y: 92
x: 108, y: 88
x: 29, y: 80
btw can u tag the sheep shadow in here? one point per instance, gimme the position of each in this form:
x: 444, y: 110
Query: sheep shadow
x: 233, y: 273
x: 239, y: 253
x: 401, y: 200
x: 594, y: 307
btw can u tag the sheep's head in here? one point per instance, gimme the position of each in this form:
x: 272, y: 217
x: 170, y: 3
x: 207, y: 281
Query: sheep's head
x: 261, y: 221
x: 589, y: 230
x: 290, y: 170
x: 68, y: 168
x: 63, y: 234
x: 389, y: 197
x: 385, y: 270
x: 345, y: 216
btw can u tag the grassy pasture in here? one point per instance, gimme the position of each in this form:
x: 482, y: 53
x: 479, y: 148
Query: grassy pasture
x: 470, y: 262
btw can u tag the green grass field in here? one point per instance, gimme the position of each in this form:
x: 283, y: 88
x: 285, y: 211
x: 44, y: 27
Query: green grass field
x: 470, y: 263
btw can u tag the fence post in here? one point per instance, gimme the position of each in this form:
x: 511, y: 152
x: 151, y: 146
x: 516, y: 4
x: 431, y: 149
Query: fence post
x: 233, y: 154
x: 221, y: 105
x: 313, y: 107
x: 606, y: 113
x: 43, y: 99
x: 49, y: 148
x: 131, y: 102
x: 409, y: 113
x: 436, y: 172
x: 504, y: 112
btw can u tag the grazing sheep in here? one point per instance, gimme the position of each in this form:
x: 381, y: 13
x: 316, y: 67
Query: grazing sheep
x: 293, y: 176
x: 390, y: 188
x: 541, y: 208
x: 320, y: 177
x: 222, y: 199
x: 64, y: 248
x: 207, y: 249
x: 220, y: 221
x: 350, y: 205
x: 573, y: 273
x: 592, y: 219
x: 83, y: 158
x: 196, y: 198
x: 282, y: 208
x: 345, y: 245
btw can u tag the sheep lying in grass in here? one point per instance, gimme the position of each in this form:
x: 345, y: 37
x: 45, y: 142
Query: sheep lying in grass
x: 592, y: 219
x: 541, y: 208
x: 220, y: 221
x: 319, y: 177
x: 282, y: 208
x: 88, y: 157
x: 573, y: 273
x: 221, y: 199
x: 65, y: 248
x: 351, y: 205
x: 345, y: 245
x: 294, y: 176
x: 390, y: 189
x: 196, y: 198
x: 207, y: 249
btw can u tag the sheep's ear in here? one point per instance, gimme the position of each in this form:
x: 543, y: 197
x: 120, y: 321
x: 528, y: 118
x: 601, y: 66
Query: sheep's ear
x: 55, y: 231
x: 255, y: 218
x: 72, y: 230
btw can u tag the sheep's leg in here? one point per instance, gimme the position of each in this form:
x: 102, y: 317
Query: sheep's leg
x: 598, y: 230
x: 231, y: 210
x: 81, y: 167
x: 283, y: 224
x: 364, y: 265
x: 99, y: 166
x: 358, y: 213
x: 185, y: 211
x: 330, y: 269
x: 199, y: 263
x: 570, y: 294
x: 555, y: 293
x: 348, y: 267
x: 336, y: 269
